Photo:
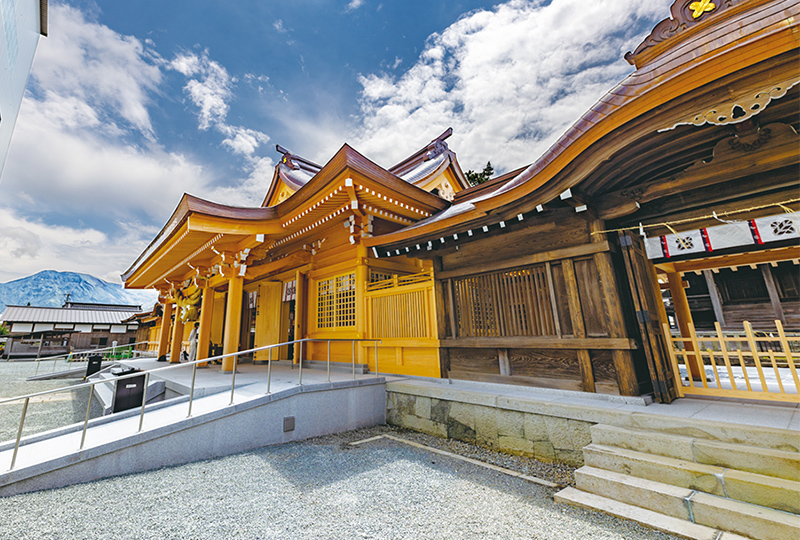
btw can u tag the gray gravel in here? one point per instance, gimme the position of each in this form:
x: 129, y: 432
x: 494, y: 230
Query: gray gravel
x: 321, y: 488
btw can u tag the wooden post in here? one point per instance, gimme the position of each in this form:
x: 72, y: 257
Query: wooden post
x: 362, y: 277
x: 177, y: 339
x: 684, y: 318
x: 578, y: 327
x: 233, y: 321
x: 204, y: 332
x: 166, y: 326
x: 505, y: 363
x: 299, y: 312
x: 623, y: 361
x: 716, y: 300
x: 440, y: 317
x: 774, y: 299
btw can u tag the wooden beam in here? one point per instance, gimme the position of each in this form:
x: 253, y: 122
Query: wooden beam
x: 738, y: 259
x: 556, y: 254
x: 720, y: 170
x: 542, y: 342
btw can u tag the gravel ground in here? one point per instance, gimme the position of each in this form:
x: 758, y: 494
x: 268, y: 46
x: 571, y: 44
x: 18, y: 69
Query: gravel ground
x: 321, y: 488
x: 49, y: 412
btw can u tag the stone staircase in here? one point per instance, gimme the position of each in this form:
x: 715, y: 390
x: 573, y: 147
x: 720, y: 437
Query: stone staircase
x: 731, y: 482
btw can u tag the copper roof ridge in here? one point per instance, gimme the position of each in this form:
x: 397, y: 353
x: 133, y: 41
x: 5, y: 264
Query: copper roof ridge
x: 396, y: 169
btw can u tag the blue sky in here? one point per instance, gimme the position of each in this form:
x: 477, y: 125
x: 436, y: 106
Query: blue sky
x: 131, y: 104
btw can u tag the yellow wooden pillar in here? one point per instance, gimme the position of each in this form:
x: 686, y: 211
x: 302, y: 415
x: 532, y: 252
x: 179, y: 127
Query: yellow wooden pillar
x: 166, y: 326
x: 362, y: 276
x: 684, y: 318
x: 204, y: 332
x: 177, y: 339
x: 299, y: 315
x: 233, y: 321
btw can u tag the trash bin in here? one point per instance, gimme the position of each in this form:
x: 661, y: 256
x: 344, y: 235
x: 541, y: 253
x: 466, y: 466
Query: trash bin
x: 128, y: 393
x: 93, y: 365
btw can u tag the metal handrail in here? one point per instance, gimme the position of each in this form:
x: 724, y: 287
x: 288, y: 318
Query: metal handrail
x: 55, y: 358
x: 194, y: 365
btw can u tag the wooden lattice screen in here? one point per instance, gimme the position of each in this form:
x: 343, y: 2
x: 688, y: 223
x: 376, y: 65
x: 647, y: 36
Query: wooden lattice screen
x: 400, y: 307
x: 336, y: 301
x: 518, y: 302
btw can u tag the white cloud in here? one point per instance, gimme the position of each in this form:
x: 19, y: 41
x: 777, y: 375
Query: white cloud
x: 82, y: 171
x: 97, y: 66
x: 251, y: 191
x: 278, y: 25
x: 210, y: 89
x: 354, y: 4
x: 35, y: 245
x: 509, y: 81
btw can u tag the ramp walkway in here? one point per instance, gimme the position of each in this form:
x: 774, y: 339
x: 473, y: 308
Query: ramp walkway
x: 215, y: 419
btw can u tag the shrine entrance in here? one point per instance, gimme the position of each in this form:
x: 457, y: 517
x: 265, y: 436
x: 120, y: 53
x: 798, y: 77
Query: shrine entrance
x: 733, y: 327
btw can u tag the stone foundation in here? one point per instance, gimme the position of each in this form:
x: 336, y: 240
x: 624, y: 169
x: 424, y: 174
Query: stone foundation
x: 544, y: 437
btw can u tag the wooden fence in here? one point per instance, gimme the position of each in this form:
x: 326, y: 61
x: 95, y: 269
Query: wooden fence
x: 751, y: 365
x: 401, y: 307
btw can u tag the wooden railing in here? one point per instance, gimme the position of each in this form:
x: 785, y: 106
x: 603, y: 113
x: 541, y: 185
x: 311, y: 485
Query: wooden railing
x: 401, y: 307
x: 754, y: 365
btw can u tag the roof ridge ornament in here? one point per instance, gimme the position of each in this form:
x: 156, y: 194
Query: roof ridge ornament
x: 438, y: 146
x: 685, y: 14
x: 701, y: 7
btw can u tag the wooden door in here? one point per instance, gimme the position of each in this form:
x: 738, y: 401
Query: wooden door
x: 268, y: 318
x: 647, y: 303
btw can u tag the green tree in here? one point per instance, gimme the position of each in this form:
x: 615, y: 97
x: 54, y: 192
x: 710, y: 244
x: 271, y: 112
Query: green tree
x: 3, y: 329
x: 475, y: 178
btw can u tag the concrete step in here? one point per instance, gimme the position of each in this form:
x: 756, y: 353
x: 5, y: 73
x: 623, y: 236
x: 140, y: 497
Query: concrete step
x: 755, y: 459
x: 768, y: 491
x: 656, y: 496
x: 649, y: 518
x: 762, y: 437
x: 746, y: 519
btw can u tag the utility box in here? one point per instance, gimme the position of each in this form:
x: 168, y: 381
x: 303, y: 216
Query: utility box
x: 128, y: 393
x: 93, y: 365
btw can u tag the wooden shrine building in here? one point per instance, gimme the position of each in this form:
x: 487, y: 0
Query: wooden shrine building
x: 684, y: 174
x: 298, y: 267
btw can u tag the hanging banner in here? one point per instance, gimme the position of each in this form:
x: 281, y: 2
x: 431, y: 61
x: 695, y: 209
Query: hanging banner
x: 290, y: 290
x: 741, y: 233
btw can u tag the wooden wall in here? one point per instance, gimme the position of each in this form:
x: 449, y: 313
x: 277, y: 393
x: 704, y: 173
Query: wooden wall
x: 542, y: 305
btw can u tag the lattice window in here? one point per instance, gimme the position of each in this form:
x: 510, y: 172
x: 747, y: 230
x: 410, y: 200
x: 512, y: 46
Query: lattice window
x: 378, y: 276
x: 336, y: 301
x: 514, y: 302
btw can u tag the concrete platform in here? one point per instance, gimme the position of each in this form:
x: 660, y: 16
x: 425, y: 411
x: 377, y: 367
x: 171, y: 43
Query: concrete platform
x: 114, y: 445
x: 210, y: 380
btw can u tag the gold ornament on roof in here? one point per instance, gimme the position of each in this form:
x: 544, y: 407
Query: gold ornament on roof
x: 703, y: 6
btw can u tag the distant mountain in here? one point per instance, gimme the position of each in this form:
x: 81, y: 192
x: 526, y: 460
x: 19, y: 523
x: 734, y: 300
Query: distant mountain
x: 50, y: 288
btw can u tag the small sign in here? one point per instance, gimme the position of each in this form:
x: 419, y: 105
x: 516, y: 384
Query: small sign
x: 290, y: 291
